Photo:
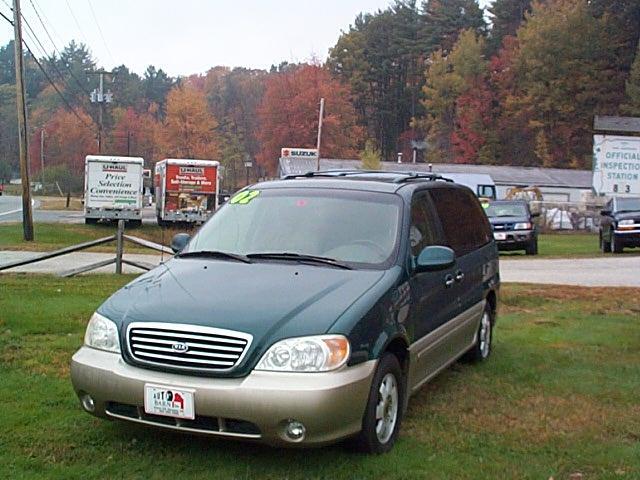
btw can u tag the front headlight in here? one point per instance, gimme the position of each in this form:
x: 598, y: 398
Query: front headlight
x: 306, y: 354
x: 102, y: 334
x: 626, y: 222
x: 522, y: 226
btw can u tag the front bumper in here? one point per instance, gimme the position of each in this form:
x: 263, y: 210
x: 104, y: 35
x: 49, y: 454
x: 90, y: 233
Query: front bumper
x: 629, y: 237
x: 514, y: 239
x: 330, y: 405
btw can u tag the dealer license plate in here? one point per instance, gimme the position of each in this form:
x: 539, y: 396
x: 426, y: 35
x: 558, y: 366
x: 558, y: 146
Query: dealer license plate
x: 168, y: 401
x: 499, y: 235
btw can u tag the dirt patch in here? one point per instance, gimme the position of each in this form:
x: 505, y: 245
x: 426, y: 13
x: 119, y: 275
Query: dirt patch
x: 59, y: 203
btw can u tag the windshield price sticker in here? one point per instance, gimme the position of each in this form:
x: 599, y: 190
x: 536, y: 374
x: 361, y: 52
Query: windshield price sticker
x: 245, y: 197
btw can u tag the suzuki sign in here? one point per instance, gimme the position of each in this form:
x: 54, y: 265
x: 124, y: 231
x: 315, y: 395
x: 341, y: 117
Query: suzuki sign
x: 298, y: 153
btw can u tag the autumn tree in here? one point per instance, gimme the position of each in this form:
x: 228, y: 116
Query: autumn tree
x: 443, y: 20
x: 189, y: 128
x: 632, y: 104
x: 506, y: 18
x: 69, y: 137
x: 564, y: 78
x: 457, y: 102
x: 134, y: 134
x: 289, y: 115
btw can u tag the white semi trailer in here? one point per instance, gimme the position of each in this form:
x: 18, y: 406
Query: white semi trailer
x: 113, y: 189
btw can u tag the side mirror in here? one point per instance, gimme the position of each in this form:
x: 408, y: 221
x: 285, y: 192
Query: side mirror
x: 435, y: 258
x: 605, y: 212
x: 179, y: 241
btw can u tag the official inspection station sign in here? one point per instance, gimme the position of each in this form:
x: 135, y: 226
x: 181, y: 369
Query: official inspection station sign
x: 616, y: 165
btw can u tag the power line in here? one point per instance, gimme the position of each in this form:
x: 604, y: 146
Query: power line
x: 95, y: 19
x: 77, y: 23
x: 56, y: 48
x: 46, y: 55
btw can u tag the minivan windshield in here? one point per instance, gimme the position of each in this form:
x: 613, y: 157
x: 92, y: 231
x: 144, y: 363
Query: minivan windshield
x: 506, y: 210
x: 355, y: 227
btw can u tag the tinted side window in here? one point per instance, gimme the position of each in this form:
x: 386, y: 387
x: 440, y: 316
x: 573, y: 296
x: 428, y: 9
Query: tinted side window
x: 422, y: 229
x: 464, y: 223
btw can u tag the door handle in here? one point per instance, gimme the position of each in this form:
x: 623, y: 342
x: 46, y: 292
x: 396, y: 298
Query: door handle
x: 448, y: 280
x: 459, y: 276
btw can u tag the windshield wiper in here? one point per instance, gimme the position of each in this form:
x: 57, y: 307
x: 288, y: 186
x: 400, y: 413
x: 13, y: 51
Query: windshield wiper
x: 214, y: 254
x: 299, y: 257
x: 501, y: 216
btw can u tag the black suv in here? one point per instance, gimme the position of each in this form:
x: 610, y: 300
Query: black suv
x: 306, y: 310
x: 513, y: 225
x: 620, y: 224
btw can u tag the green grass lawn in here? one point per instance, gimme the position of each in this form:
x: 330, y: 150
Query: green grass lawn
x: 52, y: 236
x: 558, y: 396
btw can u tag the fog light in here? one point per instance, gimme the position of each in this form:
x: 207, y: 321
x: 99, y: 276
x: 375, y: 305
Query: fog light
x: 295, y: 431
x: 87, y: 402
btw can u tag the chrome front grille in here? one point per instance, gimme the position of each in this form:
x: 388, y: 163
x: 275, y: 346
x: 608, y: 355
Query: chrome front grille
x: 187, y: 347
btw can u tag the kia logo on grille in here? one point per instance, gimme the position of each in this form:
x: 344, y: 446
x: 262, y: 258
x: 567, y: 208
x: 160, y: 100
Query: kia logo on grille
x: 180, y: 347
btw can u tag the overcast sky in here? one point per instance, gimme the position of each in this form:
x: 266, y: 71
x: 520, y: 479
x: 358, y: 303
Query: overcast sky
x: 190, y: 36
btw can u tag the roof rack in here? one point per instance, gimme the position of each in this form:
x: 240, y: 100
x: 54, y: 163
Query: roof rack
x: 403, y: 176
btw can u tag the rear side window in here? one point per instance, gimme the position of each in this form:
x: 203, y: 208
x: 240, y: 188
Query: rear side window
x: 464, y: 223
x: 422, y: 231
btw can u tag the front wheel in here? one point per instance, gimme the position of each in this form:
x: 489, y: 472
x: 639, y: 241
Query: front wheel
x: 484, y: 338
x: 532, y: 248
x: 616, y: 244
x: 383, y: 414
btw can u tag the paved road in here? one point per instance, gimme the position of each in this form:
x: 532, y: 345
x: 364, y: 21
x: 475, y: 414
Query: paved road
x: 619, y: 271
x: 11, y: 211
x: 73, y: 260
x: 623, y: 271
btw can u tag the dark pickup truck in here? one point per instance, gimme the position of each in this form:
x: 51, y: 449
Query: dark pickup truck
x: 513, y: 225
x: 620, y: 224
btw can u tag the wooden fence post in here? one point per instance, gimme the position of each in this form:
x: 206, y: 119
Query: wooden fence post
x: 119, y: 246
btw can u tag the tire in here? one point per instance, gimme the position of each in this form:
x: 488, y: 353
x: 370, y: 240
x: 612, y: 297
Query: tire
x: 90, y: 221
x: 532, y: 248
x: 605, y: 246
x: 616, y: 244
x: 481, y: 350
x: 383, y: 414
x: 134, y: 223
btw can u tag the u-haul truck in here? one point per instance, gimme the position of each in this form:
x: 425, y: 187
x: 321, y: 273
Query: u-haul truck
x: 113, y: 188
x: 186, y: 190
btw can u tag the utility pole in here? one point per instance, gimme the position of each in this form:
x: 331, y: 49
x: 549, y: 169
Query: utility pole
x: 27, y: 218
x: 320, y: 131
x: 42, y: 157
x: 98, y: 96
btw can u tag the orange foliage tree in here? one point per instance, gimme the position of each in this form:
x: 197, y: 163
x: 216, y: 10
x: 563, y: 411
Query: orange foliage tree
x: 189, y: 127
x: 289, y: 112
x: 134, y: 132
x: 68, y: 139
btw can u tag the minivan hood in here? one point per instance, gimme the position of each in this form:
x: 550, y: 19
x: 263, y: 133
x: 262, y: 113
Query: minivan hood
x: 269, y: 300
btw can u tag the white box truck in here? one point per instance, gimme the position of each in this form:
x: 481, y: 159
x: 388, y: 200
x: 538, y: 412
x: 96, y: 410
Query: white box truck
x: 186, y: 190
x: 113, y: 189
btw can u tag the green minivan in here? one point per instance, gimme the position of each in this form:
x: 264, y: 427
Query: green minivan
x: 307, y: 310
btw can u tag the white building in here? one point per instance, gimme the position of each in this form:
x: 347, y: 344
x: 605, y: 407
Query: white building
x: 555, y: 184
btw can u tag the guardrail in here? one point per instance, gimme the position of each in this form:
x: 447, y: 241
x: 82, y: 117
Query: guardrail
x: 119, y: 238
